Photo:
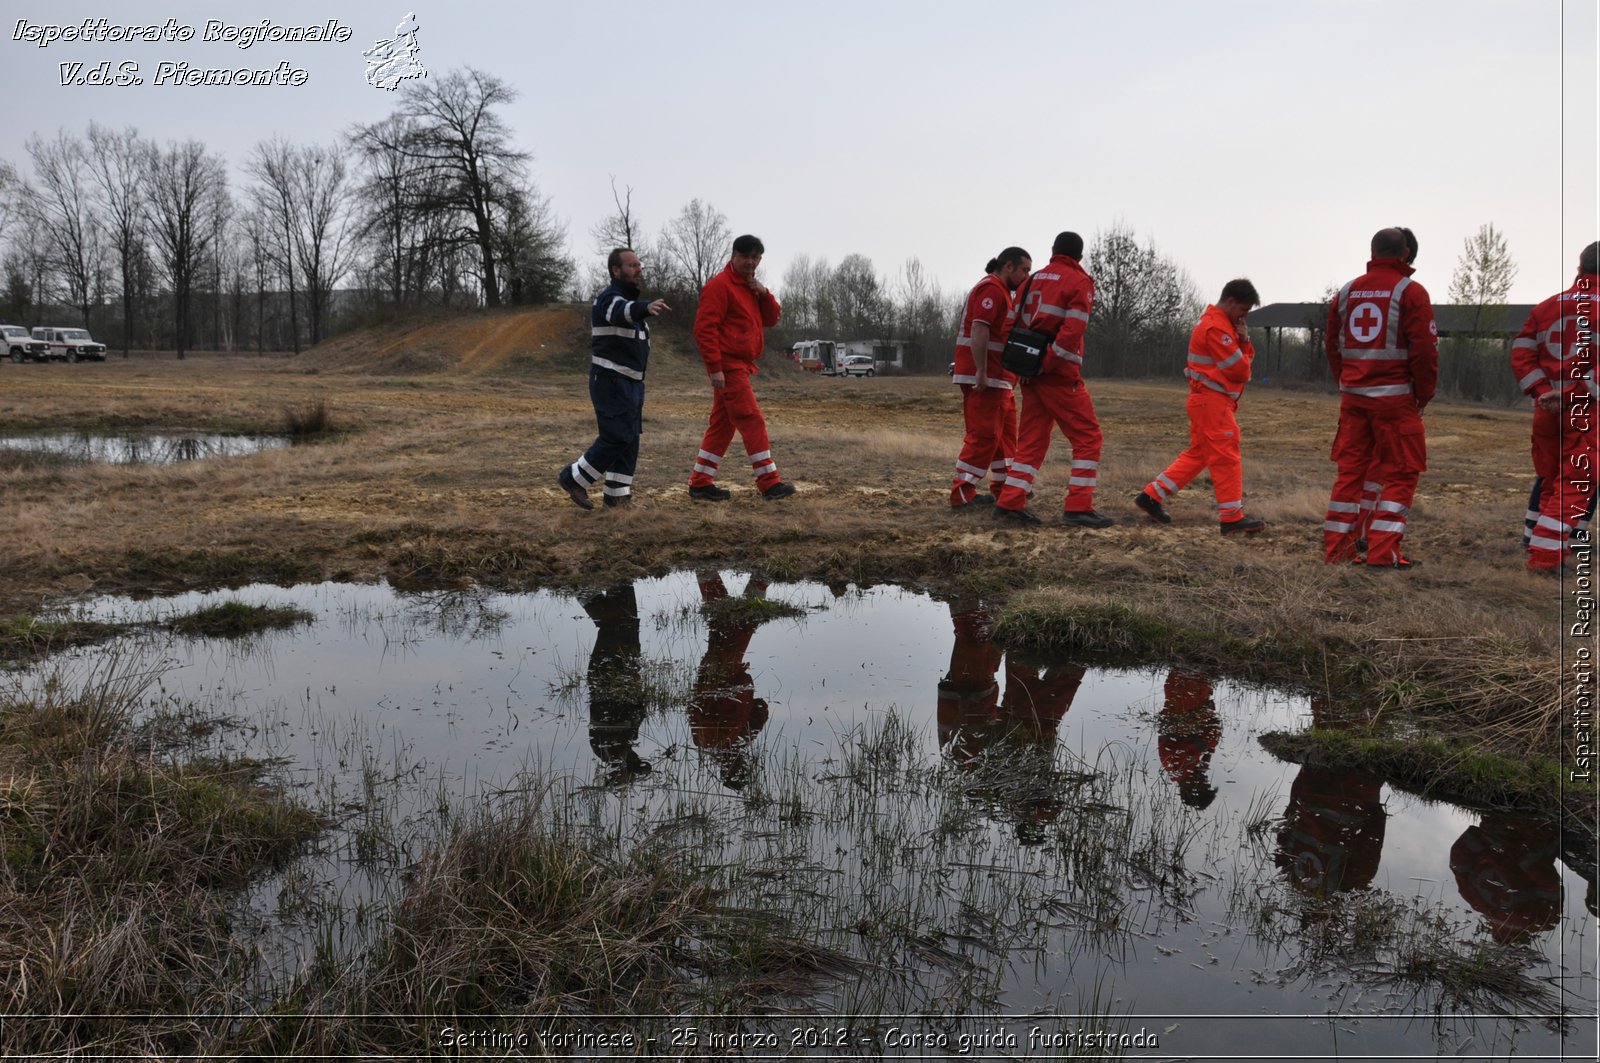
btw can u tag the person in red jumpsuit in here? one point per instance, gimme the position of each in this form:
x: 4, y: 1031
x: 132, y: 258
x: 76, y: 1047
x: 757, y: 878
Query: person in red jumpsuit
x: 724, y: 713
x: 1187, y: 735
x: 1370, y: 487
x: 1505, y: 867
x: 1553, y: 358
x: 1220, y: 354
x: 1057, y: 301
x: 735, y: 308
x: 986, y: 388
x: 1383, y: 348
x: 1007, y: 744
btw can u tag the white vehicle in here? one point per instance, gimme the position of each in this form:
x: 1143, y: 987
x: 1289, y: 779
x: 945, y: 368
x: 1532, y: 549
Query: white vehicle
x: 70, y: 344
x: 818, y: 356
x: 21, y: 346
x: 859, y: 365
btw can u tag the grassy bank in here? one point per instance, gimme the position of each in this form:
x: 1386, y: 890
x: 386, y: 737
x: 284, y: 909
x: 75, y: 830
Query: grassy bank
x: 120, y: 859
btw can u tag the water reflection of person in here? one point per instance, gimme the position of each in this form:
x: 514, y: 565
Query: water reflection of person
x: 616, y: 689
x: 724, y: 713
x: 1505, y: 867
x: 1019, y: 730
x: 1187, y: 734
x: 1332, y: 833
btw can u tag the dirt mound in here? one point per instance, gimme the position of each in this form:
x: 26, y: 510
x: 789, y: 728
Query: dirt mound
x: 472, y: 343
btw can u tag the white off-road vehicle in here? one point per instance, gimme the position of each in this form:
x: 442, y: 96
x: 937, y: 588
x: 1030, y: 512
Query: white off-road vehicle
x: 20, y: 346
x: 70, y: 344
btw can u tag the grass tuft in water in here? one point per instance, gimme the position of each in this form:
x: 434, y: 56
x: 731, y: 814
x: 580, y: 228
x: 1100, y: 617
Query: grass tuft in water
x: 235, y: 619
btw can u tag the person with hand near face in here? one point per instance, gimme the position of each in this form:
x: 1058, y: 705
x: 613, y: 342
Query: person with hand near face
x: 735, y: 308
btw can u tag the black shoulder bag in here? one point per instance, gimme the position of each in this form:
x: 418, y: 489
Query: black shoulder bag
x: 1025, y: 348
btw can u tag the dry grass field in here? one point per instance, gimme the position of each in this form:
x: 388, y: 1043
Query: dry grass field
x: 448, y: 436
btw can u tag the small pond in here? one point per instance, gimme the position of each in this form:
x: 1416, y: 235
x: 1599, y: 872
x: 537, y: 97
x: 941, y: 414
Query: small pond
x: 166, y: 448
x: 1063, y: 839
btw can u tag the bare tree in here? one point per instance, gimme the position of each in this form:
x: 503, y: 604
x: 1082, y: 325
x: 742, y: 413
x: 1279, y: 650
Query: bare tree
x: 1143, y: 304
x: 272, y: 164
x: 458, y: 136
x: 62, y: 207
x: 624, y: 228
x: 695, y: 245
x: 858, y: 299
x: 924, y: 315
x: 531, y: 248
x: 323, y: 246
x: 116, y: 165
x: 404, y: 241
x: 185, y: 185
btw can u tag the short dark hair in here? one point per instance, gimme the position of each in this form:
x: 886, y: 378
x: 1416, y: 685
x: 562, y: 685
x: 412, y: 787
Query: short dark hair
x: 614, y: 260
x: 1411, y: 243
x: 1388, y: 243
x: 1069, y: 244
x: 1240, y: 290
x: 993, y: 264
x: 1587, y: 259
x: 1011, y: 256
x: 749, y: 245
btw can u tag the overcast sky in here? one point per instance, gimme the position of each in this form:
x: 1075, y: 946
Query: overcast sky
x: 1246, y: 138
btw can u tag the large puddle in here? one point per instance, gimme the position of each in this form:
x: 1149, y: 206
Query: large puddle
x: 168, y: 448
x: 1064, y: 840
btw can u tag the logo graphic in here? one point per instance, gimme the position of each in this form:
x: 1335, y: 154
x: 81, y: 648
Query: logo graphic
x: 1366, y: 321
x: 1226, y: 339
x: 988, y: 303
x: 395, y: 60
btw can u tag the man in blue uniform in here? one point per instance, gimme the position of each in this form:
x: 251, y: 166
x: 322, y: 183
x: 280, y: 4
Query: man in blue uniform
x: 619, y: 331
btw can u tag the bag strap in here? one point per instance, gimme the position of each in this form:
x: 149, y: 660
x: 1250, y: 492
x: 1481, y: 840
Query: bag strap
x: 1022, y: 301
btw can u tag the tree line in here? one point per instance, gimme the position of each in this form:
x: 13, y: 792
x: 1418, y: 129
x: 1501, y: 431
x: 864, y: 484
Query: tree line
x: 151, y: 247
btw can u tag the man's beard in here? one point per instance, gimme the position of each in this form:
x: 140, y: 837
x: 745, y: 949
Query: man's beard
x: 628, y: 288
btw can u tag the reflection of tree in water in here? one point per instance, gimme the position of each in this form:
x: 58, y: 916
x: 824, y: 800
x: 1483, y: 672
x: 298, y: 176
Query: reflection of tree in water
x: 142, y: 449
x: 616, y: 689
x: 724, y: 713
x: 1005, y: 747
x: 1187, y: 734
x: 457, y: 613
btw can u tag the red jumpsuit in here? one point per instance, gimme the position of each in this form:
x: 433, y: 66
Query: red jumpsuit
x: 1060, y: 299
x: 1219, y: 368
x: 724, y: 713
x: 1554, y: 352
x: 1187, y: 735
x: 728, y: 330
x: 1383, y: 349
x: 1505, y: 867
x: 990, y: 416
